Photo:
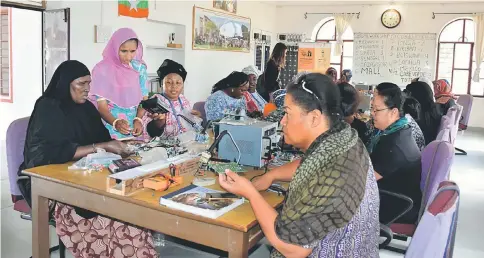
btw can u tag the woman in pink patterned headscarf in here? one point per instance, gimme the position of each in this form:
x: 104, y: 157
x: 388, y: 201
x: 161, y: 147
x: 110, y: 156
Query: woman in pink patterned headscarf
x: 119, y: 83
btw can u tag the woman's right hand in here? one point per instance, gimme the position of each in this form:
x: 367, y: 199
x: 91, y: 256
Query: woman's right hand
x: 122, y: 126
x: 117, y: 147
x: 262, y: 183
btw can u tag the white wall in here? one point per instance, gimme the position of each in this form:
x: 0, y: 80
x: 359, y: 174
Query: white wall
x: 204, y: 68
x: 416, y: 18
x: 26, y: 67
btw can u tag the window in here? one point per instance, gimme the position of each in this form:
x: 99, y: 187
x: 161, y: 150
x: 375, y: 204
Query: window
x: 456, y: 60
x: 5, y: 89
x: 327, y: 33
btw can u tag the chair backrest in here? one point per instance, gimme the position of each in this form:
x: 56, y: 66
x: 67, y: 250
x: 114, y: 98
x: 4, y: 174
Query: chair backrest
x: 452, y: 116
x: 466, y: 102
x: 445, y: 128
x: 455, y: 128
x: 435, y: 234
x: 437, y: 159
x: 200, y: 107
x: 16, y: 133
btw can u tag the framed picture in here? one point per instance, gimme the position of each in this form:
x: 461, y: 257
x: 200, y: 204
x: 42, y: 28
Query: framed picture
x: 219, y: 31
x: 226, y: 5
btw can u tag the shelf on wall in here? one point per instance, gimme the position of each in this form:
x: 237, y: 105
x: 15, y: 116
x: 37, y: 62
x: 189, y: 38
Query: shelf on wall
x: 165, y: 47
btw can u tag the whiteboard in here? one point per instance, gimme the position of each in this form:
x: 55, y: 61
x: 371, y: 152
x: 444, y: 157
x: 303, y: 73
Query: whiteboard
x: 396, y: 58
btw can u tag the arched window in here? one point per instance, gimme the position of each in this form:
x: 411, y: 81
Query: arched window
x: 456, y: 60
x: 327, y: 33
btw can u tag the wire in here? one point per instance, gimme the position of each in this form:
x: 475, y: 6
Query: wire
x: 236, y: 146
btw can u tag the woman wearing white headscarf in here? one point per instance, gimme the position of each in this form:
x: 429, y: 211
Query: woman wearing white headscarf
x: 253, y: 95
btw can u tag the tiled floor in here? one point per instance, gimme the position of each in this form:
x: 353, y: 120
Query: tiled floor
x: 467, y: 171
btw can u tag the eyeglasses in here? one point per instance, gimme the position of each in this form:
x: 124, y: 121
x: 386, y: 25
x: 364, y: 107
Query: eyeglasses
x: 303, y: 85
x: 378, y: 110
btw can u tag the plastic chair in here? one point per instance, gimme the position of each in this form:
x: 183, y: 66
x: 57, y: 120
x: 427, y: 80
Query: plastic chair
x: 435, y: 234
x: 15, y: 141
x: 445, y: 130
x: 466, y: 102
x: 200, y: 107
x: 437, y: 159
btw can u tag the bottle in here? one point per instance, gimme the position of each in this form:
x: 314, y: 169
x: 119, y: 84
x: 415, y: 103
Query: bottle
x: 158, y: 239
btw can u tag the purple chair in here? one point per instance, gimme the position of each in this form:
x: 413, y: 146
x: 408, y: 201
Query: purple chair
x: 437, y: 159
x: 451, y: 116
x: 200, y: 107
x: 435, y: 234
x: 466, y: 102
x: 16, y: 134
x: 445, y: 129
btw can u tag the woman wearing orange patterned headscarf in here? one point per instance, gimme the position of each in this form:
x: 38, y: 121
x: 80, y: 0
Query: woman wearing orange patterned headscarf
x: 444, y: 98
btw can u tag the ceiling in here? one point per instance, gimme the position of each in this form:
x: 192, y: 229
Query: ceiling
x: 358, y: 2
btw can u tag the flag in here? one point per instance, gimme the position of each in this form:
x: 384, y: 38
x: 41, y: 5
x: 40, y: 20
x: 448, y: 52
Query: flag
x: 133, y: 8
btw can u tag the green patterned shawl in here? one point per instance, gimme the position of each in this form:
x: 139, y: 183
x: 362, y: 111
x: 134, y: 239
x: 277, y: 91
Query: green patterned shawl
x: 327, y: 188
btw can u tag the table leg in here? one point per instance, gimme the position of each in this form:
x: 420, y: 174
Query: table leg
x: 40, y: 225
x: 238, y: 244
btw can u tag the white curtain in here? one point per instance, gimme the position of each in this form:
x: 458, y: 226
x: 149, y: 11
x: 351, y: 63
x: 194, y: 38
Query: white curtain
x: 342, y: 21
x: 479, y: 45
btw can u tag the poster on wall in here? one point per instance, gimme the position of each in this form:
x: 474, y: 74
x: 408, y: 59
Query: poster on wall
x: 226, y: 5
x: 133, y: 8
x: 314, y: 57
x: 213, y: 30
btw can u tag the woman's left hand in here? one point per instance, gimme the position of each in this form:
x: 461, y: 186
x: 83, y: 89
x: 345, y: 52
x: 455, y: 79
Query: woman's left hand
x: 196, y: 113
x: 236, y: 184
x: 137, y: 128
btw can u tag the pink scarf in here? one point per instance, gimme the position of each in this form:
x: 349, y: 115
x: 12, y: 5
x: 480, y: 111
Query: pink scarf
x: 443, y: 91
x: 114, y: 81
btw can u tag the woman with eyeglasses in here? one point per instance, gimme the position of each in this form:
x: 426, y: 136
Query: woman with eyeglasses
x: 394, y: 154
x: 331, y: 209
x: 172, y: 75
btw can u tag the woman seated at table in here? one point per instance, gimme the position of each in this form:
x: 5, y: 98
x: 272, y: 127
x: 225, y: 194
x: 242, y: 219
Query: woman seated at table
x: 334, y: 159
x: 172, y: 75
x: 444, y: 97
x: 253, y: 100
x: 350, y: 99
x: 429, y: 121
x: 412, y: 111
x: 394, y: 154
x: 227, y: 96
x: 65, y: 126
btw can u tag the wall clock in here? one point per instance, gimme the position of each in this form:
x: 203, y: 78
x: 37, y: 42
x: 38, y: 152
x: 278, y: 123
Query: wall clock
x: 391, y: 18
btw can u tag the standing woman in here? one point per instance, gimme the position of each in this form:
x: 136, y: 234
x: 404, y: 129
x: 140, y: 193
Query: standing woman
x: 227, y: 94
x: 444, y: 97
x: 270, y: 78
x: 119, y: 84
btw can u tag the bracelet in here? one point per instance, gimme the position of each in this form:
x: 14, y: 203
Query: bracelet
x: 114, y: 124
x: 139, y: 119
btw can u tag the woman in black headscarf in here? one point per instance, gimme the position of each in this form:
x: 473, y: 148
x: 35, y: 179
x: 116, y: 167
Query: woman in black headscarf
x: 430, y: 116
x: 227, y: 94
x: 65, y: 126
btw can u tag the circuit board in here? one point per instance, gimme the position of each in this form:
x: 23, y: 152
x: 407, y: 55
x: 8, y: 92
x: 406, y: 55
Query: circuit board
x: 220, y: 167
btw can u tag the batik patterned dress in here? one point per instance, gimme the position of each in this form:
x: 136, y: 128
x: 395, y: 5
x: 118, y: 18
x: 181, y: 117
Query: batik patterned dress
x: 219, y: 102
x: 101, y: 237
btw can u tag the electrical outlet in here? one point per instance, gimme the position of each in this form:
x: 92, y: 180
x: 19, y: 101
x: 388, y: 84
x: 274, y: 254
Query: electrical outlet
x: 102, y: 33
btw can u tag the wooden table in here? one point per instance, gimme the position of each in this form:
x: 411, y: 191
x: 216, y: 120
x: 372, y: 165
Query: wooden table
x: 235, y: 232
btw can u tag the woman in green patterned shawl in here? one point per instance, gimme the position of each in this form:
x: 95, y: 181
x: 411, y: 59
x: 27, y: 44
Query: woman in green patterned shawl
x: 331, y: 209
